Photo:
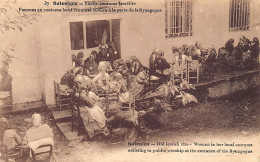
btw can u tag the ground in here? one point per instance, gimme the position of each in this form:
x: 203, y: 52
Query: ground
x: 236, y: 116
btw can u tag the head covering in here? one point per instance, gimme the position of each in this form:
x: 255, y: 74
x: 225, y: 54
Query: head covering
x: 80, y: 55
x: 184, y: 46
x: 4, y: 69
x: 73, y: 57
x: 94, y: 53
x: 77, y: 70
x: 3, y: 124
x: 242, y: 37
x: 36, y: 120
x: 256, y: 40
x: 87, y: 81
x: 231, y: 40
x: 93, y: 97
x: 118, y: 76
x: 157, y: 102
x: 197, y: 44
x: 4, y: 121
x: 175, y: 49
x: 155, y: 50
x: 78, y: 78
x: 102, y: 66
x: 211, y: 47
x: 159, y: 53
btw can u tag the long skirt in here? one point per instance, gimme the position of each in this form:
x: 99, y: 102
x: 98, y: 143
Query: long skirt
x: 93, y: 119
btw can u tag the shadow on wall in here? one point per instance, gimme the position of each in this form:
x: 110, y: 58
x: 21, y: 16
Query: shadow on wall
x: 233, y: 85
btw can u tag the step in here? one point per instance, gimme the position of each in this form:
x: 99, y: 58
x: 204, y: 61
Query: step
x: 21, y: 107
x: 59, y: 114
x: 65, y: 128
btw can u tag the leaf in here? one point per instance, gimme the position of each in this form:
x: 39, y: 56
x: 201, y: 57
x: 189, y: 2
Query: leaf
x: 166, y: 91
x: 172, y: 92
x: 20, y: 28
x: 3, y: 10
x: 179, y: 96
x: 184, y: 101
x: 34, y: 19
x: 189, y: 97
x: 5, y: 63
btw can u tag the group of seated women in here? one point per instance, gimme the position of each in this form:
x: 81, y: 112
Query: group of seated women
x: 92, y: 89
x: 243, y: 56
x: 90, y: 78
x: 206, y: 58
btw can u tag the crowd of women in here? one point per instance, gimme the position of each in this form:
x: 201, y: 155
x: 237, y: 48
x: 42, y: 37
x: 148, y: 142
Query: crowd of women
x: 99, y: 74
x: 229, y: 58
x: 103, y: 74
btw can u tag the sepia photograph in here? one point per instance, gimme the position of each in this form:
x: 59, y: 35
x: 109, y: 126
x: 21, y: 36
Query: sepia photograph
x: 129, y: 81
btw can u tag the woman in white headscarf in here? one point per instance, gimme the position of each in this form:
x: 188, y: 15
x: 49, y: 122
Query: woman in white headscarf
x: 102, y: 79
x: 39, y: 134
x: 92, y: 115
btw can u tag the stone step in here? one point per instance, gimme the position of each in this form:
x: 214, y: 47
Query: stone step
x: 61, y: 115
x: 65, y: 128
x: 21, y: 107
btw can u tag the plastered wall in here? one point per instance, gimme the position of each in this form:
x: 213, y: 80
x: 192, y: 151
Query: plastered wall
x: 44, y: 54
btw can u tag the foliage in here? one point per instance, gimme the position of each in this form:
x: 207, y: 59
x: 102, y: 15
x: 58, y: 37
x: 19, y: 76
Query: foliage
x: 11, y: 18
x: 237, y: 60
x: 177, y: 91
x: 6, y: 56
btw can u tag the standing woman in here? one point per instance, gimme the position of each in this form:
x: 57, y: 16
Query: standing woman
x: 229, y: 46
x: 255, y: 49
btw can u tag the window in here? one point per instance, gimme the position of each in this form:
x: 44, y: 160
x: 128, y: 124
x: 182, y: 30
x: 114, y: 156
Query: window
x: 76, y: 35
x: 178, y: 18
x: 239, y: 15
x: 96, y: 32
x: 90, y: 34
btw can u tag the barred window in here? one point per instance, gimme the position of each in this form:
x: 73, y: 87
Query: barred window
x: 239, y: 15
x: 178, y: 18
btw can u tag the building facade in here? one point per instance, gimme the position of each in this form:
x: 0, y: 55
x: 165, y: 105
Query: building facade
x: 43, y: 50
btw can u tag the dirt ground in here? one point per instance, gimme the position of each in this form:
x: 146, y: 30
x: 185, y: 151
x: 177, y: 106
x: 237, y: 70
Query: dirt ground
x: 236, y: 116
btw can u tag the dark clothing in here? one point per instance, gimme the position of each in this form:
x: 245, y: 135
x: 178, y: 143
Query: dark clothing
x: 67, y: 79
x: 244, y: 44
x: 78, y: 62
x: 91, y: 65
x: 152, y: 63
x: 254, y: 50
x: 103, y: 55
x: 229, y: 47
x: 161, y: 64
x: 6, y: 83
